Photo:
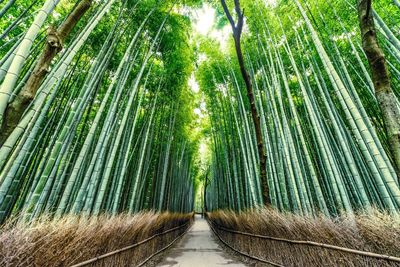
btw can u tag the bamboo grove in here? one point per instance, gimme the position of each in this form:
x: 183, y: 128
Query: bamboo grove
x: 108, y: 129
x: 326, y: 145
x: 96, y: 110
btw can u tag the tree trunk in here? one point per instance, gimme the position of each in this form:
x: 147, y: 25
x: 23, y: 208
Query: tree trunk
x: 237, y: 32
x: 205, y: 210
x: 381, y: 79
x: 397, y: 3
x: 54, y: 44
x: 6, y: 7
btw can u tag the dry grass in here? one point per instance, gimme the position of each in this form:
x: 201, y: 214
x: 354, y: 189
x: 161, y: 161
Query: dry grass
x: 73, y: 239
x: 374, y: 232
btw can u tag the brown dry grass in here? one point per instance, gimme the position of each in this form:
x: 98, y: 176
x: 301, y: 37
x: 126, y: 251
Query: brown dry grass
x: 373, y: 232
x: 73, y: 239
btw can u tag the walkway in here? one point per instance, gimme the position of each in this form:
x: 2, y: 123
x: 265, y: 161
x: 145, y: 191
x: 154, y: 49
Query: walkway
x: 198, y: 248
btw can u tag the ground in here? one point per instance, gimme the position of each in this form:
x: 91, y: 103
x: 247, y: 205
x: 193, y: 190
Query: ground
x: 198, y: 248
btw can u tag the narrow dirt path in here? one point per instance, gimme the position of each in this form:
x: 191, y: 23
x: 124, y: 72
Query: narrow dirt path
x: 198, y: 248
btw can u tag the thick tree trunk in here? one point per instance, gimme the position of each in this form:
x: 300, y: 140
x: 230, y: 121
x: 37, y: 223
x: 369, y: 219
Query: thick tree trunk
x: 380, y: 76
x: 237, y: 33
x: 54, y: 44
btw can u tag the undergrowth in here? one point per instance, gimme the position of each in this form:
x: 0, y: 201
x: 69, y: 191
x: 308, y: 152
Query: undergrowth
x: 376, y: 232
x: 73, y: 239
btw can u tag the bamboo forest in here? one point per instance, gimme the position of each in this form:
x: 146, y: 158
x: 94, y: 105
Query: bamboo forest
x: 199, y: 133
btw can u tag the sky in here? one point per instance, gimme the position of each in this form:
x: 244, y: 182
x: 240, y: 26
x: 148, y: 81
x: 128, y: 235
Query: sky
x: 204, y: 23
x: 270, y: 2
x: 204, y: 20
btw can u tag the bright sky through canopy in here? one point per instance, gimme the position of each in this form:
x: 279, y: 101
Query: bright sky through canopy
x: 270, y: 2
x: 204, y: 19
x: 193, y: 84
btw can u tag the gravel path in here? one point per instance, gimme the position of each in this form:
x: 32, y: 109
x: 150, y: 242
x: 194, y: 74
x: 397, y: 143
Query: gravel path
x: 198, y: 248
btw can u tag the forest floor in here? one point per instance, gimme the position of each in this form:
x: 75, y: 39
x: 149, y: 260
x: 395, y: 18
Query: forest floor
x: 198, y: 248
